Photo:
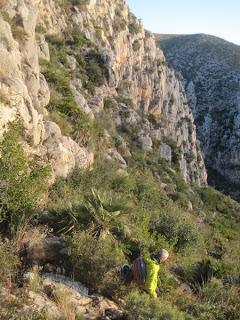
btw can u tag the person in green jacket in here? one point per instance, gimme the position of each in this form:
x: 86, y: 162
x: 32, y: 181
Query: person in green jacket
x: 152, y: 269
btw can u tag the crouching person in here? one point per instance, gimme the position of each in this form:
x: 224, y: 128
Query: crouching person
x: 144, y: 271
x: 152, y: 269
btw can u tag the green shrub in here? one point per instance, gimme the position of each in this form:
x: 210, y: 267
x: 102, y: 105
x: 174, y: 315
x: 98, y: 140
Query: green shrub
x: 176, y: 228
x: 19, y: 33
x: 148, y: 192
x: 6, y: 15
x: 95, y: 68
x: 119, y: 23
x: 64, y: 108
x: 181, y: 199
x: 109, y: 104
x: 176, y: 153
x: 58, y: 78
x: 134, y: 27
x: 125, y: 100
x: 213, y: 292
x: 166, y: 281
x: 80, y: 2
x: 95, y: 73
x: 202, y: 272
x: 136, y: 45
x: 76, y: 39
x: 9, y: 262
x: 92, y: 258
x: 58, y: 49
x: 10, y: 310
x: 141, y: 240
x: 22, y: 184
x: 216, y: 302
x: 104, y: 210
x: 40, y: 28
x: 62, y: 121
x: 142, y: 307
x: 216, y: 201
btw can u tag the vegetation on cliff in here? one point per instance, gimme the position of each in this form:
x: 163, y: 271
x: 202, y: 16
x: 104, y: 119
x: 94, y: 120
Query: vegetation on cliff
x: 144, y: 190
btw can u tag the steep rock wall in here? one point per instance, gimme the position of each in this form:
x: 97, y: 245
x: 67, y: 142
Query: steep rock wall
x: 136, y: 72
x: 211, y: 75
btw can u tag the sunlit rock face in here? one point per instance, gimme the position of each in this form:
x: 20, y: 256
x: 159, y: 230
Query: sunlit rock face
x: 136, y: 71
x: 210, y: 68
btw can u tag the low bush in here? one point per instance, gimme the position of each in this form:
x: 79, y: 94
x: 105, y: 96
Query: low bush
x: 18, y: 33
x: 119, y: 23
x: 136, y: 45
x: 80, y: 2
x: 134, y: 27
x: 202, y: 272
x: 62, y: 121
x: 10, y: 310
x: 142, y: 307
x: 76, y: 39
x: 9, y: 262
x: 109, y: 104
x: 215, y: 201
x: 213, y: 292
x: 125, y: 100
x: 95, y: 68
x: 93, y: 257
x: 176, y: 228
x: 22, y: 185
x: 215, y: 302
x: 181, y: 199
x: 103, y: 210
x: 148, y: 193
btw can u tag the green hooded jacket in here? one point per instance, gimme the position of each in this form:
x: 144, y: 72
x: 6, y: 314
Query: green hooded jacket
x: 152, y: 276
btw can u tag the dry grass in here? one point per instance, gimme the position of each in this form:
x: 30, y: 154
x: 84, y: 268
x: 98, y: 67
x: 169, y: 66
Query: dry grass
x: 62, y: 298
x: 26, y: 235
x: 35, y: 279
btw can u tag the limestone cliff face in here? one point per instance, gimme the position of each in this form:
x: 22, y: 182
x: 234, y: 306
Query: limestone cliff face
x: 211, y: 75
x: 145, y: 93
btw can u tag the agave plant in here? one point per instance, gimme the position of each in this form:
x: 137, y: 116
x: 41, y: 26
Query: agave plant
x: 104, y: 210
x: 64, y: 220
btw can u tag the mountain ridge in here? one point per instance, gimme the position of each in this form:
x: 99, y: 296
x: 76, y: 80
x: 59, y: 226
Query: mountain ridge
x: 210, y: 67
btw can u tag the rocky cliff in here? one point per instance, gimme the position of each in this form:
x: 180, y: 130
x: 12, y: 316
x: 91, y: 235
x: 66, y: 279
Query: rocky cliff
x: 66, y: 65
x: 211, y: 75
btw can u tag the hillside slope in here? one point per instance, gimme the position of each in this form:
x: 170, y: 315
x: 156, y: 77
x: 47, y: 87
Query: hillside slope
x: 211, y: 75
x: 99, y: 165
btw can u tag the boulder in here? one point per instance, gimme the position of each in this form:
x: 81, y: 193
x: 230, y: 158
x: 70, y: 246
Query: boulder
x: 113, y: 154
x: 48, y: 250
x: 64, y: 153
x: 146, y: 143
x: 165, y: 152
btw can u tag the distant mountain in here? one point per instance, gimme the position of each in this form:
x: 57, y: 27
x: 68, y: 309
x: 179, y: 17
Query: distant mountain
x: 210, y: 68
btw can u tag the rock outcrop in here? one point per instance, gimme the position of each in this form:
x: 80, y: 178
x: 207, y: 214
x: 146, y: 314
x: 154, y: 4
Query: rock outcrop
x: 149, y: 101
x: 24, y: 92
x: 59, y: 298
x: 210, y: 69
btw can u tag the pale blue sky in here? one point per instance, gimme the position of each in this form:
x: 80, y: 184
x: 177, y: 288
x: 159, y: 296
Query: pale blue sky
x: 216, y: 17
